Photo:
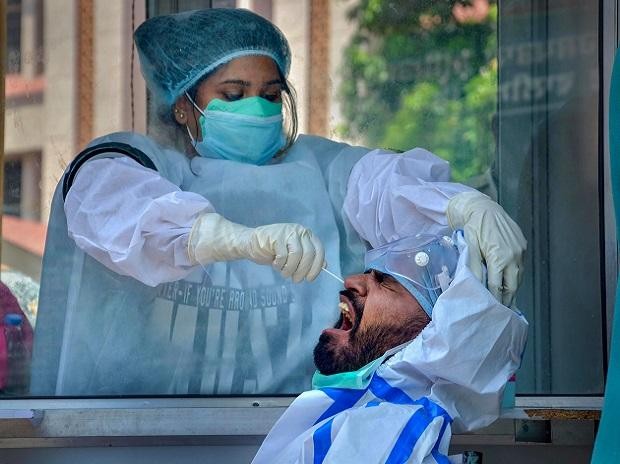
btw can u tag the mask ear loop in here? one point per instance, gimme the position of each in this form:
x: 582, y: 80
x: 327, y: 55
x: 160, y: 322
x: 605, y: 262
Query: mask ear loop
x: 192, y: 138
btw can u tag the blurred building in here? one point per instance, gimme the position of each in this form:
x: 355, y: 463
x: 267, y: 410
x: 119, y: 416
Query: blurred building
x: 72, y: 76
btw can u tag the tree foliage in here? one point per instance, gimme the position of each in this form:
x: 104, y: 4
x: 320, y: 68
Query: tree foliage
x: 415, y: 76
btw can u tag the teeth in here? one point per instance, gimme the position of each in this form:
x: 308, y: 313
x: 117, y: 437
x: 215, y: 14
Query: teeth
x: 345, y: 311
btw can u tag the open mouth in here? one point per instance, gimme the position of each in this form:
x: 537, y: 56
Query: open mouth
x: 347, y: 315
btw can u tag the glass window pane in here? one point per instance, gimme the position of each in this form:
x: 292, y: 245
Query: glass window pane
x: 506, y: 91
x: 548, y: 175
x: 14, y: 27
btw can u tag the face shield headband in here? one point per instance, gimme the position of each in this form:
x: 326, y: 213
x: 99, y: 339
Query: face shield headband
x: 424, y: 264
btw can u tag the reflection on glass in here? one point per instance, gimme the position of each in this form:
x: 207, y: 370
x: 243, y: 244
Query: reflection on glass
x: 503, y: 91
x: 548, y: 177
x: 15, y: 344
x: 424, y: 76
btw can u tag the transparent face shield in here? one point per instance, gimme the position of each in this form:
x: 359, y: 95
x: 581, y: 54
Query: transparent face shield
x: 424, y: 264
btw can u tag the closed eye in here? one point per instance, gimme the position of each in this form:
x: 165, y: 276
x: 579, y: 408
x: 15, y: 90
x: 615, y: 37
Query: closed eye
x: 272, y: 97
x: 390, y: 283
x: 377, y: 275
x: 272, y: 91
x: 385, y: 280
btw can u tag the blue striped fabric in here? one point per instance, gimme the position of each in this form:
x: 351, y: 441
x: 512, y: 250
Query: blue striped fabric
x: 384, y: 392
x: 409, y: 436
x: 344, y: 398
x: 440, y: 458
x: 322, y: 440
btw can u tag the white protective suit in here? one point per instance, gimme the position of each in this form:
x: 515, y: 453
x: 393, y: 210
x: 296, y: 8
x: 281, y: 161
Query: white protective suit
x: 449, y: 378
x: 123, y: 311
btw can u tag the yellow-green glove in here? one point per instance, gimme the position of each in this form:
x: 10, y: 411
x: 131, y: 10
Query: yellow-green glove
x: 290, y: 248
x: 493, y: 238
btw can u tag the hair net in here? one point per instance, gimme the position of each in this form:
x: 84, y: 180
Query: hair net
x: 177, y: 50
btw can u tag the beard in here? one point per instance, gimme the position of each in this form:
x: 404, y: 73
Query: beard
x: 365, y: 345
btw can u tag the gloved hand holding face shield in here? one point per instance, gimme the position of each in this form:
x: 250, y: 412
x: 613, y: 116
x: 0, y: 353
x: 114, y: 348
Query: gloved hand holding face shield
x: 493, y: 238
x: 290, y: 248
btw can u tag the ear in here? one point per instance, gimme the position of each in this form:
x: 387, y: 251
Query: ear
x: 181, y: 109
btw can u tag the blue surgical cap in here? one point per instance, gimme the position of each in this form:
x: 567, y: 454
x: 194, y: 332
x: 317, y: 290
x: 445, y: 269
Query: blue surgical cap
x: 177, y: 50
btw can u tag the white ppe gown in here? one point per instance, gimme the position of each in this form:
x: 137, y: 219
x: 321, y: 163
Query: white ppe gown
x: 449, y: 378
x: 122, y: 311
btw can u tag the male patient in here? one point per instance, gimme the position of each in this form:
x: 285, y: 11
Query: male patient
x: 421, y: 348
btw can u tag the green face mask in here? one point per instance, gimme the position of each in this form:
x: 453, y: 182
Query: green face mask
x: 250, y: 106
x: 248, y: 130
x: 357, y: 380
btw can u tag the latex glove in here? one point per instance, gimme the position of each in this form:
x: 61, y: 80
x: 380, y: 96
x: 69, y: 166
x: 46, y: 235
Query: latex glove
x: 492, y: 236
x: 289, y: 248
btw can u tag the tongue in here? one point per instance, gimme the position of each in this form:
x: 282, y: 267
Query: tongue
x: 346, y: 324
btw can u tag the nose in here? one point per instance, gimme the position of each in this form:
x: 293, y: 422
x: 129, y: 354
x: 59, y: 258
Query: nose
x: 253, y: 91
x: 358, y: 283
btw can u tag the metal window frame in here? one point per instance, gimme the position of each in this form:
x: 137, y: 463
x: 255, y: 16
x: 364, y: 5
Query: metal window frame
x: 82, y: 422
x: 610, y: 23
x: 223, y: 421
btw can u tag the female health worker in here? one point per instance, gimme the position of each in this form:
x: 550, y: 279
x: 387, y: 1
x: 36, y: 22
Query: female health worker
x: 191, y: 264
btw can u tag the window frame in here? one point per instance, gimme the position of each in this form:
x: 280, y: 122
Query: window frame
x: 610, y: 22
x: 14, y: 9
x: 224, y: 421
x: 64, y: 422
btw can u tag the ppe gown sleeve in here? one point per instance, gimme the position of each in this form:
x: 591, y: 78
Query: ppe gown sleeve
x: 132, y: 220
x: 391, y: 195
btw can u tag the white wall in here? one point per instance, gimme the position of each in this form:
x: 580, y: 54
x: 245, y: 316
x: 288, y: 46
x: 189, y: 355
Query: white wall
x: 341, y: 31
x: 59, y: 109
x: 293, y: 18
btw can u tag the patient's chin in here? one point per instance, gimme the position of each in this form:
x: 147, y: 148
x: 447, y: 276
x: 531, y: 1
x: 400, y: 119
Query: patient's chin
x: 327, y: 355
x: 333, y: 355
